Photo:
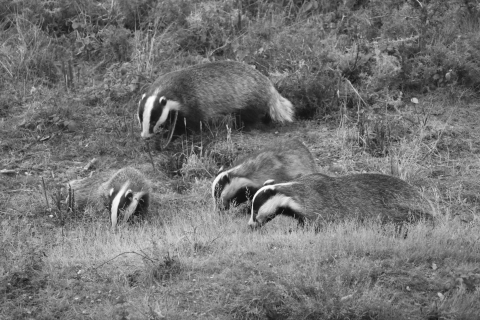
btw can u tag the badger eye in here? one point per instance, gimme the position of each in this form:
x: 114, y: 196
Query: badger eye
x: 162, y: 101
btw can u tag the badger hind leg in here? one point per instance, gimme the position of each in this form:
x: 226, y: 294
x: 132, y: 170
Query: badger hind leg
x: 281, y: 109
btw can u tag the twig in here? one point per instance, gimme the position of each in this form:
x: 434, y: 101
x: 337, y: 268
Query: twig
x: 171, y: 131
x: 90, y: 164
x: 45, y: 193
x: 150, y: 155
x: 118, y: 255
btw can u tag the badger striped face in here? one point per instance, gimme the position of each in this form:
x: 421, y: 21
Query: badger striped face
x: 269, y: 202
x: 124, y: 202
x: 153, y: 111
x: 227, y: 190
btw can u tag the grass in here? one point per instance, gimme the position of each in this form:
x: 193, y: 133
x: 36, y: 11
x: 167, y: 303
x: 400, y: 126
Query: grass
x: 188, y: 262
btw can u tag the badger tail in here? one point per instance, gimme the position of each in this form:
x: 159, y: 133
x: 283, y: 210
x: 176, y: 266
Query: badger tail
x: 281, y: 109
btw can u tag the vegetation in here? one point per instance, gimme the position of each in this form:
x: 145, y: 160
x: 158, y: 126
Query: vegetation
x: 380, y: 86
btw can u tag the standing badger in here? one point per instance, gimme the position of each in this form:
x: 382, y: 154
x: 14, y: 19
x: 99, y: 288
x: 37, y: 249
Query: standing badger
x: 207, y: 91
x: 286, y: 160
x: 324, y: 199
x: 126, y: 191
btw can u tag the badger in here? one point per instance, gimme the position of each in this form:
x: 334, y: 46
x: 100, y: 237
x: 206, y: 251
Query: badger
x: 284, y: 161
x: 204, y: 92
x: 323, y: 199
x: 124, y: 192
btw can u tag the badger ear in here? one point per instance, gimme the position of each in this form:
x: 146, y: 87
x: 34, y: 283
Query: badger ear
x: 162, y: 100
x: 220, y: 170
x: 111, y: 192
x: 269, y: 182
x: 129, y: 193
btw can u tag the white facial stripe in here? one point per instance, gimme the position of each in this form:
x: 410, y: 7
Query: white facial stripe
x: 116, y: 203
x: 252, y: 223
x: 272, y: 204
x: 171, y: 105
x: 293, y: 205
x: 147, y: 112
x: 214, y: 185
x: 217, y: 179
x: 272, y: 187
x: 138, y: 116
x: 133, y: 205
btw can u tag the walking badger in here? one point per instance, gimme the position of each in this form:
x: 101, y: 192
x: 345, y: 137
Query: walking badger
x: 287, y: 160
x: 206, y: 91
x: 124, y: 192
x: 324, y: 199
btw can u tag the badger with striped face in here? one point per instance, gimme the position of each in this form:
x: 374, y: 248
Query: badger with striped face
x: 272, y: 200
x: 286, y: 160
x: 126, y: 193
x: 204, y: 92
x: 323, y: 199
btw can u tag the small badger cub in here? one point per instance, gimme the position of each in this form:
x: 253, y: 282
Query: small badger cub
x: 286, y: 160
x: 204, y: 92
x: 124, y: 192
x: 318, y: 197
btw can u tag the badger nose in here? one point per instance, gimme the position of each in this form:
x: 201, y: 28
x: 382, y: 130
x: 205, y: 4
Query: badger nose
x: 145, y: 136
x: 226, y: 204
x: 252, y: 223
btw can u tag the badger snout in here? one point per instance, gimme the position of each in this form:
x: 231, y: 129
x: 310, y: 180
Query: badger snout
x: 146, y: 135
x: 225, y: 204
x: 253, y: 223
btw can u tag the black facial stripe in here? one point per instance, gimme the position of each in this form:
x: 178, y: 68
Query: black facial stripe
x: 221, y: 186
x: 155, y: 114
x: 124, y: 201
x: 270, y: 217
x: 262, y: 197
x: 244, y: 194
x: 141, y: 109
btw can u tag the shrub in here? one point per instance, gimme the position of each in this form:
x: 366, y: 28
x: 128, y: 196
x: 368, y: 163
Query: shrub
x: 26, y: 53
x: 209, y: 27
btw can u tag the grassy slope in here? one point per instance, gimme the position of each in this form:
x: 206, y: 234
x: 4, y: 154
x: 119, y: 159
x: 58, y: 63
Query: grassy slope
x: 188, y: 262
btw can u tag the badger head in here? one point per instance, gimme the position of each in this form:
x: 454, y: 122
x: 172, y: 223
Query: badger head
x: 124, y: 201
x: 229, y: 189
x: 272, y: 200
x: 153, y: 111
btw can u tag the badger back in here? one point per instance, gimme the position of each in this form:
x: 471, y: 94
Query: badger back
x: 384, y: 197
x: 207, y: 91
x: 287, y: 160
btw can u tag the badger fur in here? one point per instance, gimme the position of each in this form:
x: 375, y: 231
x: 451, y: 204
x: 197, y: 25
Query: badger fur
x: 320, y: 198
x: 286, y: 160
x: 124, y: 192
x: 206, y: 91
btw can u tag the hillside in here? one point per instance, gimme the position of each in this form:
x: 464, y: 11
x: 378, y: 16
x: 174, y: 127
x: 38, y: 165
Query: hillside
x: 375, y: 91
